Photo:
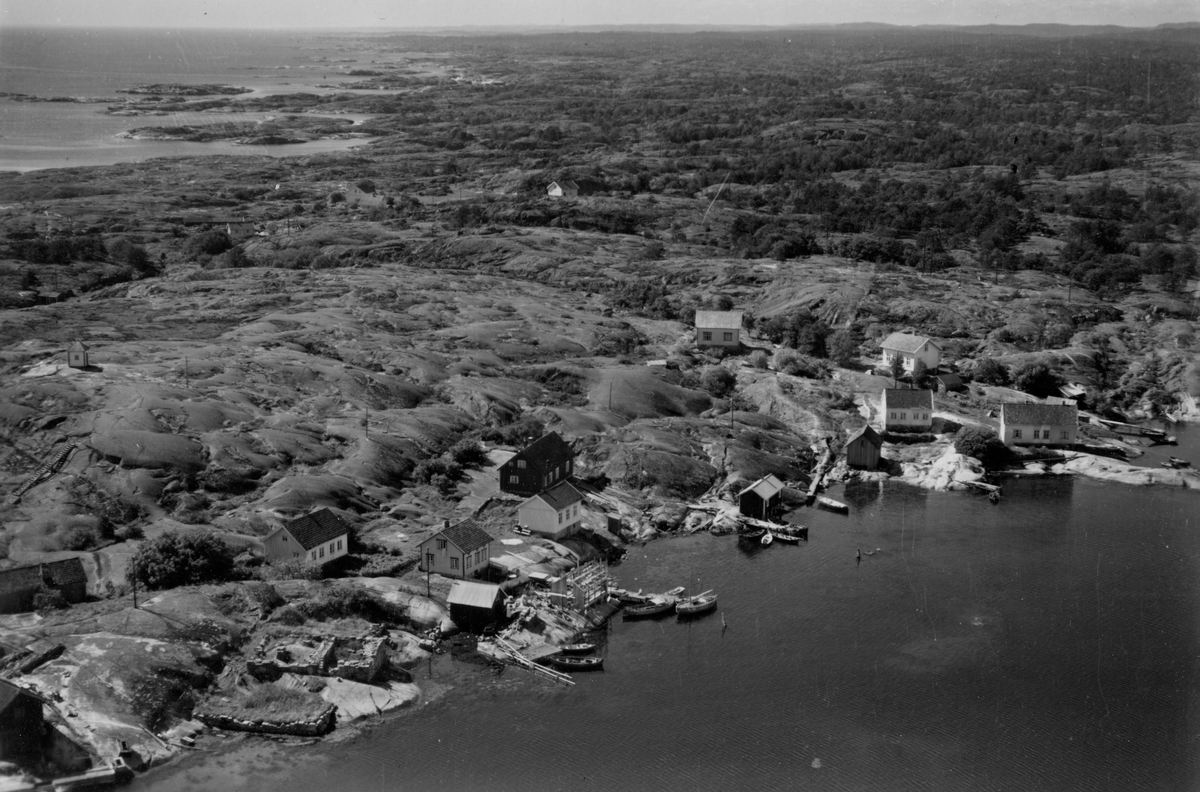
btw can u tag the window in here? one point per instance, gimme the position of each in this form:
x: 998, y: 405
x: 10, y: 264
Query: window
x: 1037, y: 434
x: 441, y: 544
x: 903, y: 416
x: 339, y: 544
x: 322, y: 549
x: 514, y: 479
x: 570, y: 462
x: 285, y: 536
x: 521, y: 464
x: 727, y: 337
x: 706, y: 335
x: 295, y: 555
x: 1066, y: 435
x: 429, y: 560
x: 313, y: 554
x: 560, y: 514
x: 1016, y: 434
x: 454, y: 562
x: 893, y: 415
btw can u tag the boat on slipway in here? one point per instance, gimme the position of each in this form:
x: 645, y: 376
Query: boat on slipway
x: 832, y: 505
x: 652, y: 608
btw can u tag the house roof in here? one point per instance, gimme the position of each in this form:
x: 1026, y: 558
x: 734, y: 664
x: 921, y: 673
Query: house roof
x: 53, y: 573
x: 868, y: 434
x: 473, y: 595
x: 720, y: 320
x: 949, y: 380
x: 316, y: 528
x: 1043, y: 414
x: 466, y: 535
x: 903, y: 342
x: 566, y: 184
x: 766, y: 487
x: 9, y: 691
x: 78, y: 346
x: 907, y: 398
x: 545, y: 445
x: 560, y: 496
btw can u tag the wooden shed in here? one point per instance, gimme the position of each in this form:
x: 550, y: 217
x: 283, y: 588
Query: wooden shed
x: 474, y: 606
x: 862, y: 449
x: 77, y: 355
x: 22, y: 724
x: 762, y: 500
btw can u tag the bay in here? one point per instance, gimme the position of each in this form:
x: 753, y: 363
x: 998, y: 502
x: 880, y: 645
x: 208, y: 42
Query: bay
x: 1048, y: 643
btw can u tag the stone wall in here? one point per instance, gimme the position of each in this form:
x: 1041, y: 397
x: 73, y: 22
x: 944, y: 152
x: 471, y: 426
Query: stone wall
x: 321, y: 724
x: 364, y: 664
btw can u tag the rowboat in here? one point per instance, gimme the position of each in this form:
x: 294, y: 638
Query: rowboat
x: 578, y: 648
x: 576, y: 663
x: 697, y: 605
x: 789, y: 538
x: 675, y: 592
x: 649, y: 609
x: 831, y: 504
x: 768, y: 537
x: 791, y: 531
x: 1176, y: 462
x: 753, y: 533
x: 623, y: 595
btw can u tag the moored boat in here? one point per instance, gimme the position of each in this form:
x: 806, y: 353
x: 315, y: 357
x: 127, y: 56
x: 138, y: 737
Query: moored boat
x: 697, y: 605
x: 789, y: 538
x: 576, y: 663
x: 768, y: 537
x: 831, y: 504
x: 578, y: 648
x: 753, y: 533
x: 649, y: 609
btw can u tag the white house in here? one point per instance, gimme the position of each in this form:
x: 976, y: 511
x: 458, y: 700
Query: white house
x: 906, y: 408
x: 910, y: 349
x: 718, y: 328
x: 458, y: 550
x: 318, y: 537
x: 1039, y: 424
x: 563, y: 189
x: 77, y: 355
x: 356, y: 196
x: 553, y: 513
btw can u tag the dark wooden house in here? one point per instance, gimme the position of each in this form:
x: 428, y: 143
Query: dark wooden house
x: 862, y: 449
x: 762, y: 500
x: 22, y: 725
x: 19, y: 585
x: 541, y: 464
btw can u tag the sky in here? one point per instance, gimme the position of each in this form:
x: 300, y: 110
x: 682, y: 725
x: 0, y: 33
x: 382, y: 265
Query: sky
x: 383, y: 14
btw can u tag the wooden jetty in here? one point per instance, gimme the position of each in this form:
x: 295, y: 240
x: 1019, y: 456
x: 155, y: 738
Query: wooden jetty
x: 520, y: 660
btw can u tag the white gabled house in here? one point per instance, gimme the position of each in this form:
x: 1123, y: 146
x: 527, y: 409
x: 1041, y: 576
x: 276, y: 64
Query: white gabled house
x: 318, y: 538
x: 906, y: 408
x: 910, y: 349
x: 1039, y: 424
x: 562, y: 189
x: 460, y: 550
x: 718, y: 328
x: 553, y: 513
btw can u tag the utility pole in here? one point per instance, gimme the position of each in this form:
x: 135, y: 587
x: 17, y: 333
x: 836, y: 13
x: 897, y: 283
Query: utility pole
x: 186, y: 381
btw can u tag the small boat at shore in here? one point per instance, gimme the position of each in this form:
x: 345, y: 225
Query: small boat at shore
x: 578, y: 649
x: 832, y: 505
x: 649, y: 609
x: 576, y: 663
x: 634, y: 597
x: 789, y: 538
x: 768, y: 537
x: 1176, y: 463
x: 697, y: 605
x: 753, y: 533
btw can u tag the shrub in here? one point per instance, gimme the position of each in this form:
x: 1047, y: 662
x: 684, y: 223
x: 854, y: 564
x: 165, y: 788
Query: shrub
x: 49, y: 599
x: 295, y: 569
x: 181, y: 559
x: 468, y: 454
x: 991, y: 372
x: 157, y: 697
x: 718, y: 381
x: 288, y: 615
x: 759, y: 359
x: 340, y: 602
x: 519, y: 432
x: 264, y: 595
x: 1037, y: 378
x: 981, y: 443
x: 426, y: 469
x: 789, y: 361
x: 80, y: 537
x: 615, y: 342
x: 843, y: 346
x: 208, y: 243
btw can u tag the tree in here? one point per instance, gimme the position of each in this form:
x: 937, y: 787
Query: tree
x: 981, y: 443
x: 991, y: 372
x: 843, y: 346
x: 181, y: 559
x: 29, y: 280
x: 920, y: 374
x: 897, y: 369
x: 1037, y: 378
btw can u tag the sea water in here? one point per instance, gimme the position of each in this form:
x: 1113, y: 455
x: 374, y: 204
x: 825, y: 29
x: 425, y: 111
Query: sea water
x: 96, y: 64
x: 1046, y: 643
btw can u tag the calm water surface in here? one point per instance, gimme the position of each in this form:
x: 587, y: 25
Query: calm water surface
x: 1048, y: 643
